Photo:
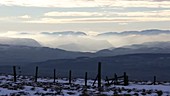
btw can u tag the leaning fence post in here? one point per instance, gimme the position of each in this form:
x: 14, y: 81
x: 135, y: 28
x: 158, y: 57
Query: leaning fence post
x: 95, y: 80
x: 54, y: 75
x: 14, y: 72
x: 116, y: 80
x: 107, y: 80
x: 36, y: 73
x: 70, y: 77
x: 85, y: 79
x: 99, y: 76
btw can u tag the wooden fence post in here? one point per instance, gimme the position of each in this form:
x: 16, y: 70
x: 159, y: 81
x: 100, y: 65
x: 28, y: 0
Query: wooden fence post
x: 54, y: 75
x: 85, y: 79
x: 107, y: 79
x: 154, y: 80
x: 116, y: 80
x: 95, y: 80
x: 70, y: 77
x: 36, y: 73
x: 14, y: 73
x: 99, y: 76
x: 126, y: 81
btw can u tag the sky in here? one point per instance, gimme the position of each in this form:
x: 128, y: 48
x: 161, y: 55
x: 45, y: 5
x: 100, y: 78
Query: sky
x: 83, y: 15
x: 31, y: 17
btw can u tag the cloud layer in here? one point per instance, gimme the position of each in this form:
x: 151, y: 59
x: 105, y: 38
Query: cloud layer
x: 81, y: 41
x: 87, y: 3
x: 92, y: 17
x: 84, y: 15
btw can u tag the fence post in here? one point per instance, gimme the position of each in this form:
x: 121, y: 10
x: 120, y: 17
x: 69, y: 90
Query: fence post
x: 70, y: 77
x: 95, y: 80
x: 107, y: 80
x: 116, y: 80
x: 85, y: 79
x: 36, y: 73
x: 14, y: 72
x: 154, y: 80
x: 54, y: 75
x: 99, y: 76
x: 126, y: 81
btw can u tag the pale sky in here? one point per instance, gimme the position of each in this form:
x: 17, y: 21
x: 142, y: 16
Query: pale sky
x: 83, y: 15
x: 29, y: 18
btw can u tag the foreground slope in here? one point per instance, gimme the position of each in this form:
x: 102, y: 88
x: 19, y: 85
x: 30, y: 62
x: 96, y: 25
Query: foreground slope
x: 25, y: 86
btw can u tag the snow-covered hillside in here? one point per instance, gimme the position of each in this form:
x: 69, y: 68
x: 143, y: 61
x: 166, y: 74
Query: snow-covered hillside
x: 26, y: 86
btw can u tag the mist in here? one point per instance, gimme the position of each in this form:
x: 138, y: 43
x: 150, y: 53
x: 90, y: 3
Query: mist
x: 87, y: 42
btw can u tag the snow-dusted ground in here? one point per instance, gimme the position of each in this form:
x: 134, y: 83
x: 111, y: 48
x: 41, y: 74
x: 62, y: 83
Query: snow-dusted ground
x: 26, y: 86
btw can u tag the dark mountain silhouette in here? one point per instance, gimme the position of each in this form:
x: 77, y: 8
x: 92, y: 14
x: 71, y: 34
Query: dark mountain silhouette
x: 138, y: 66
x: 139, y: 61
x: 14, y: 54
x: 10, y: 54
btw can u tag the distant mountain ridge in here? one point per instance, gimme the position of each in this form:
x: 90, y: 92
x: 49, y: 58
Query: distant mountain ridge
x: 148, y: 47
x: 143, y: 32
x: 19, y: 41
x: 25, y: 54
x: 65, y: 33
x: 135, y: 61
x: 79, y: 33
x: 10, y: 54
